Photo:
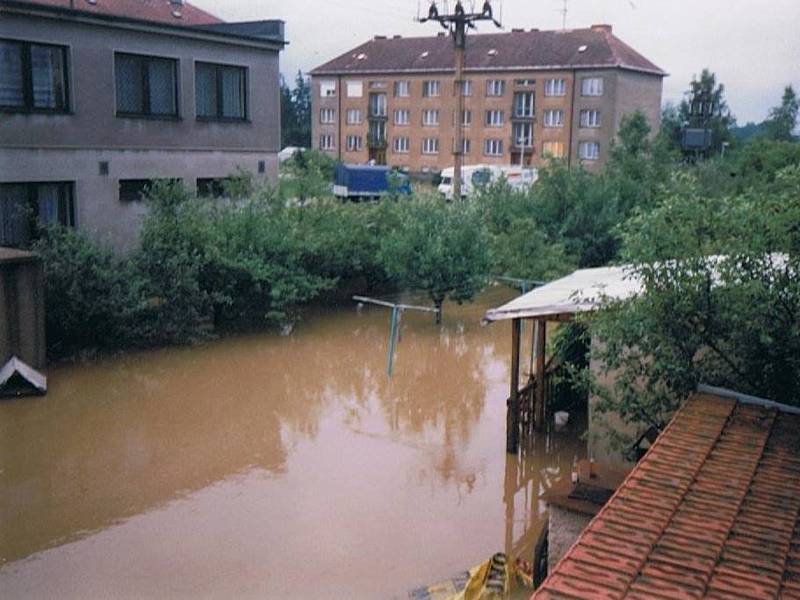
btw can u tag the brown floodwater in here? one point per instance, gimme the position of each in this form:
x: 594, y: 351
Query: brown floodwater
x: 273, y: 467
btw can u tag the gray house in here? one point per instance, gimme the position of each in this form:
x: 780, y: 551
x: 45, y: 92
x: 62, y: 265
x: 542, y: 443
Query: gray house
x: 100, y: 97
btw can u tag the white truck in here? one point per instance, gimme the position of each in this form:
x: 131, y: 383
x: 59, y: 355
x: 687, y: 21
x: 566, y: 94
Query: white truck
x: 474, y: 176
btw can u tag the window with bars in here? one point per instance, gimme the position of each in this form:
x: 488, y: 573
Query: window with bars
x: 590, y: 118
x: 33, y: 77
x: 553, y: 118
x: 592, y: 86
x: 354, y: 143
x: 495, y: 118
x: 147, y: 86
x: 402, y: 89
x: 220, y: 92
x: 26, y: 206
x: 401, y: 145
x: 523, y: 105
x: 430, y: 89
x: 589, y: 150
x: 327, y: 115
x: 353, y: 116
x: 402, y: 117
x: 493, y: 147
x: 430, y: 146
x: 523, y: 135
x: 430, y: 118
x: 553, y: 149
x: 326, y: 142
x: 495, y: 87
x: 555, y: 87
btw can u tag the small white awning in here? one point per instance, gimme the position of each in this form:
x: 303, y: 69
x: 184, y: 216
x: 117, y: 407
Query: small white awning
x: 581, y: 291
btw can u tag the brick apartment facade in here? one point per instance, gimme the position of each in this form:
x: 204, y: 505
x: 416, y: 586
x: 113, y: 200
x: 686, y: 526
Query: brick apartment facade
x: 528, y: 95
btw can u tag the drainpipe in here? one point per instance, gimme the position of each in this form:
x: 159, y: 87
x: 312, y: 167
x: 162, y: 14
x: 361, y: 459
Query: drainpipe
x: 339, y: 94
x: 571, y: 118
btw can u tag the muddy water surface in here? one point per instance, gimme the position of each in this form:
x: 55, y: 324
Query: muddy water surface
x: 272, y: 467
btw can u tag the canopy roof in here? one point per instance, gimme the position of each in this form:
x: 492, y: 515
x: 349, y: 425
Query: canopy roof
x: 581, y: 291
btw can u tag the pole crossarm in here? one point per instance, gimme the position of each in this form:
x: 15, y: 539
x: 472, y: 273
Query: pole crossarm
x: 400, y: 306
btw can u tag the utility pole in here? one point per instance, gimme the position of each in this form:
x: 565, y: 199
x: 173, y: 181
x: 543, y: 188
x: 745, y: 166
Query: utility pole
x: 457, y: 24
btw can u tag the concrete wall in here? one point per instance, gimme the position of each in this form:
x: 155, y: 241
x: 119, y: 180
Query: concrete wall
x: 564, y: 527
x: 623, y: 92
x: 68, y: 147
x: 98, y: 210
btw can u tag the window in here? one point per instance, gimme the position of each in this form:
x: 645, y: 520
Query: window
x: 355, y: 89
x: 430, y: 118
x: 327, y: 89
x: 553, y: 149
x: 220, y: 92
x: 494, y: 118
x: 401, y: 145
x: 523, y: 105
x: 326, y: 142
x: 592, y: 86
x: 466, y: 118
x: 523, y: 135
x: 465, y: 145
x: 466, y: 87
x: 353, y: 116
x: 430, y: 146
x: 377, y: 133
x: 430, y: 89
x: 555, y: 87
x: 377, y: 105
x: 589, y: 150
x: 493, y: 147
x: 212, y: 187
x: 33, y: 77
x: 402, y: 89
x: 402, y: 117
x: 327, y: 115
x: 554, y: 118
x: 590, y: 118
x: 377, y: 85
x: 524, y: 82
x: 495, y: 87
x: 146, y: 86
x: 23, y: 206
x: 354, y: 143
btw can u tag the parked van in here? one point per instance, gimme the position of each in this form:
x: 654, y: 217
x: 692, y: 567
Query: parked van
x: 474, y: 176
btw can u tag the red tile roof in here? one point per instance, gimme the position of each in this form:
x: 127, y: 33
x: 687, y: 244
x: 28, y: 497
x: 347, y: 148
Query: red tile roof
x: 146, y: 10
x: 497, y: 51
x: 712, y: 511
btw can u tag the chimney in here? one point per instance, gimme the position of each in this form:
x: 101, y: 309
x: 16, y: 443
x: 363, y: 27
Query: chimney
x: 517, y: 30
x: 602, y: 27
x: 534, y: 29
x: 440, y: 34
x: 397, y: 37
x: 380, y: 37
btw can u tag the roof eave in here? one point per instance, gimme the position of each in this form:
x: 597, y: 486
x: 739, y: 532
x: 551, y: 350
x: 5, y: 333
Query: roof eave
x: 588, y: 67
x: 187, y: 31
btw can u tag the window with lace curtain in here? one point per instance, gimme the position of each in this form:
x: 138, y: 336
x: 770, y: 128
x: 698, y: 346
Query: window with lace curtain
x: 33, y: 77
x: 147, y: 86
x: 221, y: 92
x: 26, y: 206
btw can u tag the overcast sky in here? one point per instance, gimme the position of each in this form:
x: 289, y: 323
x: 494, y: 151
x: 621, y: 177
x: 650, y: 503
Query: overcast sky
x: 752, y: 45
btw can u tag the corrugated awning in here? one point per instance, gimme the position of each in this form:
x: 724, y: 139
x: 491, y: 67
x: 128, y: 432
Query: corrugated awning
x: 582, y: 291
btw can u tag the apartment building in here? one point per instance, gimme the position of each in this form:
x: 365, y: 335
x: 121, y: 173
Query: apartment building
x: 529, y: 95
x: 100, y: 97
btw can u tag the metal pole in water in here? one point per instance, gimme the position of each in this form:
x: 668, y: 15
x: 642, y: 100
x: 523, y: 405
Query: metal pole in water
x: 392, y: 341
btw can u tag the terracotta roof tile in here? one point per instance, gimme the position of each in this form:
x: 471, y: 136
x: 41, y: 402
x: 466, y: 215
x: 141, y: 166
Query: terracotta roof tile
x: 147, y: 10
x: 494, y: 51
x: 712, y: 511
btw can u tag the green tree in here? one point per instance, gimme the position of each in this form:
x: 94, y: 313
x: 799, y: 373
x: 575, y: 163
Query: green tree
x: 782, y: 119
x: 296, y: 112
x: 720, y: 302
x: 437, y: 247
